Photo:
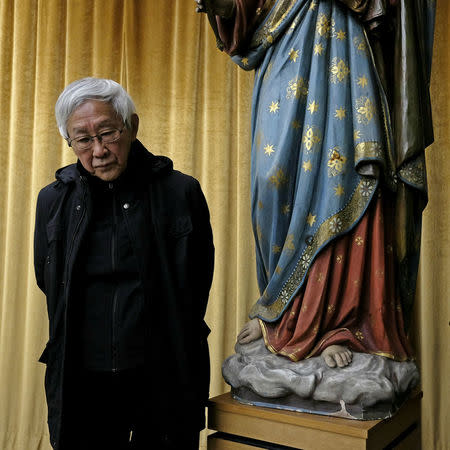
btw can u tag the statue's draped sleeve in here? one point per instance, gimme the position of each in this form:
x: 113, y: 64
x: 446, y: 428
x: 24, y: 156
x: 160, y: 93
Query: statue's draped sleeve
x: 235, y: 33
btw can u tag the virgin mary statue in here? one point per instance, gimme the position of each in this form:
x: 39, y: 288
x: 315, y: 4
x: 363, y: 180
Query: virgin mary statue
x: 340, y: 120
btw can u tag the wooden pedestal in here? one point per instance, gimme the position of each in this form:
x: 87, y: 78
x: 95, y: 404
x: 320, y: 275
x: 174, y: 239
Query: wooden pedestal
x: 247, y: 427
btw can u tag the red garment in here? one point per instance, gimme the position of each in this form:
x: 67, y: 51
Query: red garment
x: 235, y: 32
x: 349, y: 297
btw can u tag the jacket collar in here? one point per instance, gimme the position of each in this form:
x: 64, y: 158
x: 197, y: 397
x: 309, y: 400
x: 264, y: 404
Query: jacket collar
x: 140, y: 162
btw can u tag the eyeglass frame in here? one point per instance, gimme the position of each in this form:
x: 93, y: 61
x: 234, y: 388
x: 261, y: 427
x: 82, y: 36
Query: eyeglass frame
x: 98, y: 136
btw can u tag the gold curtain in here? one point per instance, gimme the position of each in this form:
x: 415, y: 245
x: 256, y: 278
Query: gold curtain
x: 194, y: 107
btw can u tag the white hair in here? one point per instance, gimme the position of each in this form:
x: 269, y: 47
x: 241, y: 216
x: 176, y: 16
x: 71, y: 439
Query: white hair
x: 101, y: 89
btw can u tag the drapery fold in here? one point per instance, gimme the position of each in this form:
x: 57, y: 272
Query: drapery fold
x: 194, y: 107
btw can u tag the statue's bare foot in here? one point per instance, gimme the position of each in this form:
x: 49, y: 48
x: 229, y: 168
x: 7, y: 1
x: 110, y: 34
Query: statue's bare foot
x: 337, y: 355
x: 250, y: 332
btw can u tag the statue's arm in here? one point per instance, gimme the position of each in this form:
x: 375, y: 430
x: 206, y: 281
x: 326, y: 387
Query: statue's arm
x: 234, y: 21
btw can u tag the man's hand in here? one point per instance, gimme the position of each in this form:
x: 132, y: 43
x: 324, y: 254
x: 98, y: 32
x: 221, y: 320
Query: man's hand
x: 221, y: 8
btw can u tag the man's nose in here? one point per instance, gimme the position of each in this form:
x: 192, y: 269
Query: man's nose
x: 98, y: 149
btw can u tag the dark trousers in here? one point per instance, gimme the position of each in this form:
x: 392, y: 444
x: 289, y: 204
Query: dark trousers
x: 112, y: 411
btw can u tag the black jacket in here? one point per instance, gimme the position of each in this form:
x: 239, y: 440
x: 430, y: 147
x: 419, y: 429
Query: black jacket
x: 172, y: 238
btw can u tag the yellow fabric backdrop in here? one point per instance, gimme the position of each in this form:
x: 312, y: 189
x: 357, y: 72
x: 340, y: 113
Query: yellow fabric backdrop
x: 194, y: 107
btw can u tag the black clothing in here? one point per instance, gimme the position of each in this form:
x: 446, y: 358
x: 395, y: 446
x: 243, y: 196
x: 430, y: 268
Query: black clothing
x: 167, y: 221
x: 109, y: 293
x: 105, y: 410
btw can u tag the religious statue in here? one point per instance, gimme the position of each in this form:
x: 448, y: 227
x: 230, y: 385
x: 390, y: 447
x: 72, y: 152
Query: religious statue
x: 340, y: 120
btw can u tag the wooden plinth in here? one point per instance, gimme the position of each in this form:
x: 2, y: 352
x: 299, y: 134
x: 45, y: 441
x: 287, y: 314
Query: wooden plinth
x: 243, y: 427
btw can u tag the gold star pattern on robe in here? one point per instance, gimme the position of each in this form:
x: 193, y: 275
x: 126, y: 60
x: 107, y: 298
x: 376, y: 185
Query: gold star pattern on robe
x: 274, y: 107
x: 296, y: 125
x: 340, y: 113
x: 268, y: 149
x: 289, y: 244
x: 362, y: 81
x: 244, y: 61
x: 278, y: 270
x: 313, y: 107
x: 312, y: 6
x: 341, y: 35
x: 293, y: 55
x: 318, y: 49
x: 260, y: 204
x: 286, y: 209
x: 339, y: 190
x: 307, y: 166
x: 310, y: 219
x: 276, y: 248
x: 356, y: 135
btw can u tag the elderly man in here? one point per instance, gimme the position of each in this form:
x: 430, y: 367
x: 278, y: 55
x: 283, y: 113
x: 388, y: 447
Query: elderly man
x: 124, y: 255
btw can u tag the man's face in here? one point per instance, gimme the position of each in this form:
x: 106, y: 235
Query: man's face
x: 105, y: 161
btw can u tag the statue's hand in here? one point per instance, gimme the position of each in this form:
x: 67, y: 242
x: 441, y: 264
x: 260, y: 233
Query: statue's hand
x: 221, y: 8
x: 200, y: 8
x: 250, y: 332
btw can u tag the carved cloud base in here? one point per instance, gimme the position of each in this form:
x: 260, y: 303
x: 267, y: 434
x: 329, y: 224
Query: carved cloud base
x: 371, y: 387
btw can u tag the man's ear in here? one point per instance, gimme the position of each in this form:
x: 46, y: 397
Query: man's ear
x: 134, y: 126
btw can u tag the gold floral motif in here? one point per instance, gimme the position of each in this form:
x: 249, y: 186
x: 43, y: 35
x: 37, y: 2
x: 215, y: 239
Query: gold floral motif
x: 339, y: 70
x: 297, y: 89
x: 359, y: 335
x: 311, y: 137
x: 279, y: 179
x: 365, y: 110
x: 324, y: 25
x: 336, y: 162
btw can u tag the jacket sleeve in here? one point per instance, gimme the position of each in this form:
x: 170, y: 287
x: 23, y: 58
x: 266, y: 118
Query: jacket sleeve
x: 40, y: 241
x: 202, y: 256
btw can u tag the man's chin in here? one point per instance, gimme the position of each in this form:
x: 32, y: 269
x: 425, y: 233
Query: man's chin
x: 107, y: 173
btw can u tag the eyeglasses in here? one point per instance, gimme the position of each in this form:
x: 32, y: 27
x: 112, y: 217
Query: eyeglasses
x: 86, y: 142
